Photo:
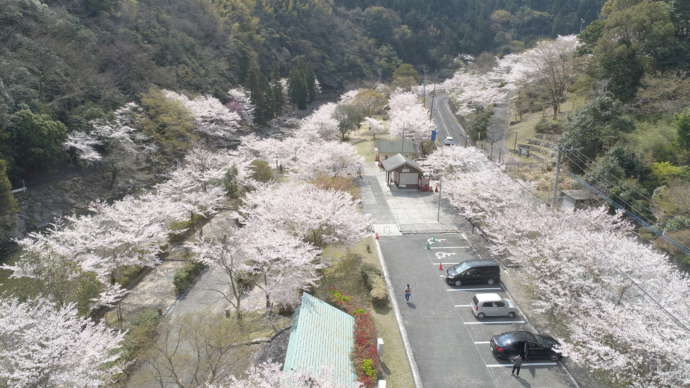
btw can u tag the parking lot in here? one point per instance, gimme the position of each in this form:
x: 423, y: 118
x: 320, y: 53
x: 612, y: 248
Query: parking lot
x: 451, y: 346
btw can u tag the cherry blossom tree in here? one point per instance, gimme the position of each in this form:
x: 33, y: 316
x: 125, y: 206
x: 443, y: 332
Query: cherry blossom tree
x: 375, y: 126
x: 223, y: 252
x: 211, y: 116
x: 285, y: 265
x: 312, y: 214
x: 42, y: 345
x: 269, y: 375
x: 400, y: 101
x: 590, y: 273
x: 320, y: 125
x: 470, y: 88
x: 83, y: 145
x: 241, y: 103
x: 332, y: 158
x: 411, y: 122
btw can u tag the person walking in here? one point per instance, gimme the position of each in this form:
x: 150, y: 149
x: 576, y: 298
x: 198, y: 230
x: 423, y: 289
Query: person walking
x: 517, y: 364
x: 408, y: 293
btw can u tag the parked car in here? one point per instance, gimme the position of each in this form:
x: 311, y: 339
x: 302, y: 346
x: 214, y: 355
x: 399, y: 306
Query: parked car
x: 449, y: 140
x: 531, y: 346
x: 473, y: 272
x: 492, y: 305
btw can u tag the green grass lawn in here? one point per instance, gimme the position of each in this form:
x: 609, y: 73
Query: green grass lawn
x: 345, y: 275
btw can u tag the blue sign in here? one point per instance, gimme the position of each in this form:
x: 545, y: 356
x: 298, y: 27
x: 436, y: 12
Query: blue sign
x: 433, y: 135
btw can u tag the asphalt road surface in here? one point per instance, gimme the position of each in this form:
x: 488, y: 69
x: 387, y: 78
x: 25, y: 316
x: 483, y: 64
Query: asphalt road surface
x: 446, y: 122
x: 450, y: 346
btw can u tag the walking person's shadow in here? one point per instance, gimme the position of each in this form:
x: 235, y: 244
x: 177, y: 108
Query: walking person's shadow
x: 411, y: 304
x: 524, y: 382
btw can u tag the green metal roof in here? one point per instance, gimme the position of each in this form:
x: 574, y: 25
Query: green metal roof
x: 322, y: 338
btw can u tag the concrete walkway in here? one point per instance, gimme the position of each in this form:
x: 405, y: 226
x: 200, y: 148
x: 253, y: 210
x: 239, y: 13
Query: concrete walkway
x: 396, y: 211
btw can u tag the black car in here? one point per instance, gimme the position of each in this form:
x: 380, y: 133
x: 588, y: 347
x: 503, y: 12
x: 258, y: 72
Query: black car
x: 473, y: 272
x: 530, y: 346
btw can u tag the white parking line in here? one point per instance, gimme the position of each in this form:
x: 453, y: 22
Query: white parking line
x: 492, y: 322
x: 445, y: 263
x: 463, y: 305
x: 481, y: 342
x: 527, y: 364
x: 449, y: 247
x: 474, y: 289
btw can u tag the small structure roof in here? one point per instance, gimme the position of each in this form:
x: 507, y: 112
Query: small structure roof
x: 397, y: 161
x: 322, y: 337
x: 488, y: 297
x: 391, y: 146
x: 579, y: 195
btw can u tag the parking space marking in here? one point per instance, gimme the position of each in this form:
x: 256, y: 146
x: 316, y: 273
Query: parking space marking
x: 527, y: 364
x: 481, y: 342
x: 449, y: 247
x: 474, y: 289
x: 443, y: 255
x: 493, y: 322
x: 463, y: 305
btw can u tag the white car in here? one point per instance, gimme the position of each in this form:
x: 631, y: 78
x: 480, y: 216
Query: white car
x: 492, y: 305
x: 449, y: 140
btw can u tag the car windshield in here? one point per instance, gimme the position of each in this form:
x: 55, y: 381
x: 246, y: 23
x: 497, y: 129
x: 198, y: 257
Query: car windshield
x: 509, y: 338
x: 459, y: 268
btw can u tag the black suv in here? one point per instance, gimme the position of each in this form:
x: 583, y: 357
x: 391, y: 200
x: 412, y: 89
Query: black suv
x: 473, y: 272
x: 529, y: 346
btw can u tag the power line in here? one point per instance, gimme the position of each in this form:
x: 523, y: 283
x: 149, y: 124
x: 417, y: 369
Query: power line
x: 629, y: 205
x: 586, y: 161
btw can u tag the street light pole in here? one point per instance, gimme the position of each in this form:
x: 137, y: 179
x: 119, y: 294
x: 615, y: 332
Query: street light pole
x: 433, y: 97
x: 440, y: 190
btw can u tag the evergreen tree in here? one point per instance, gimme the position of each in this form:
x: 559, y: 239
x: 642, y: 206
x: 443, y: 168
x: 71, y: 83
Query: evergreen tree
x: 260, y: 93
x: 8, y: 205
x: 276, y: 96
x: 297, y: 87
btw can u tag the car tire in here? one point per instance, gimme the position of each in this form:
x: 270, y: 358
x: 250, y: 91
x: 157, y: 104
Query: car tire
x: 511, y: 315
x: 490, y: 282
x: 555, y: 357
x: 458, y: 283
x: 481, y: 316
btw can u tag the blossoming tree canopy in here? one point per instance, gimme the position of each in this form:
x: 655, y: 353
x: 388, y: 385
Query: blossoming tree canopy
x: 49, y: 346
x: 588, y: 268
x: 312, y: 214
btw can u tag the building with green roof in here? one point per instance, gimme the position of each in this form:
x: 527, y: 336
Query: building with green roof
x: 322, y: 338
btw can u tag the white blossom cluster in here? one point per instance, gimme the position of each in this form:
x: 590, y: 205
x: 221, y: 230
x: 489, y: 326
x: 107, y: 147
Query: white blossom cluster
x: 116, y: 134
x: 269, y: 375
x: 470, y: 88
x: 43, y: 345
x: 408, y: 117
x: 211, y: 116
x: 586, y: 267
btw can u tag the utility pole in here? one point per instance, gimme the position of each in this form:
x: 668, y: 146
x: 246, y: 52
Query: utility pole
x: 440, y: 189
x: 424, y: 87
x: 555, y: 182
x: 402, y: 141
x: 433, y: 97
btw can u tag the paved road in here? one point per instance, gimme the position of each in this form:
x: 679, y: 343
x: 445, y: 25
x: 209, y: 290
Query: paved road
x: 450, y: 346
x: 446, y: 122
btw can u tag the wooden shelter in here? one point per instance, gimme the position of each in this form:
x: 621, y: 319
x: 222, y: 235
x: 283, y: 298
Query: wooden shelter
x: 403, y: 172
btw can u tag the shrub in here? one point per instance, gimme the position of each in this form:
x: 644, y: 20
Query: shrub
x: 368, y: 368
x: 261, y: 171
x: 365, y: 354
x: 376, y: 285
x: 185, y: 276
x: 548, y: 126
x: 232, y: 188
x: 141, y: 334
